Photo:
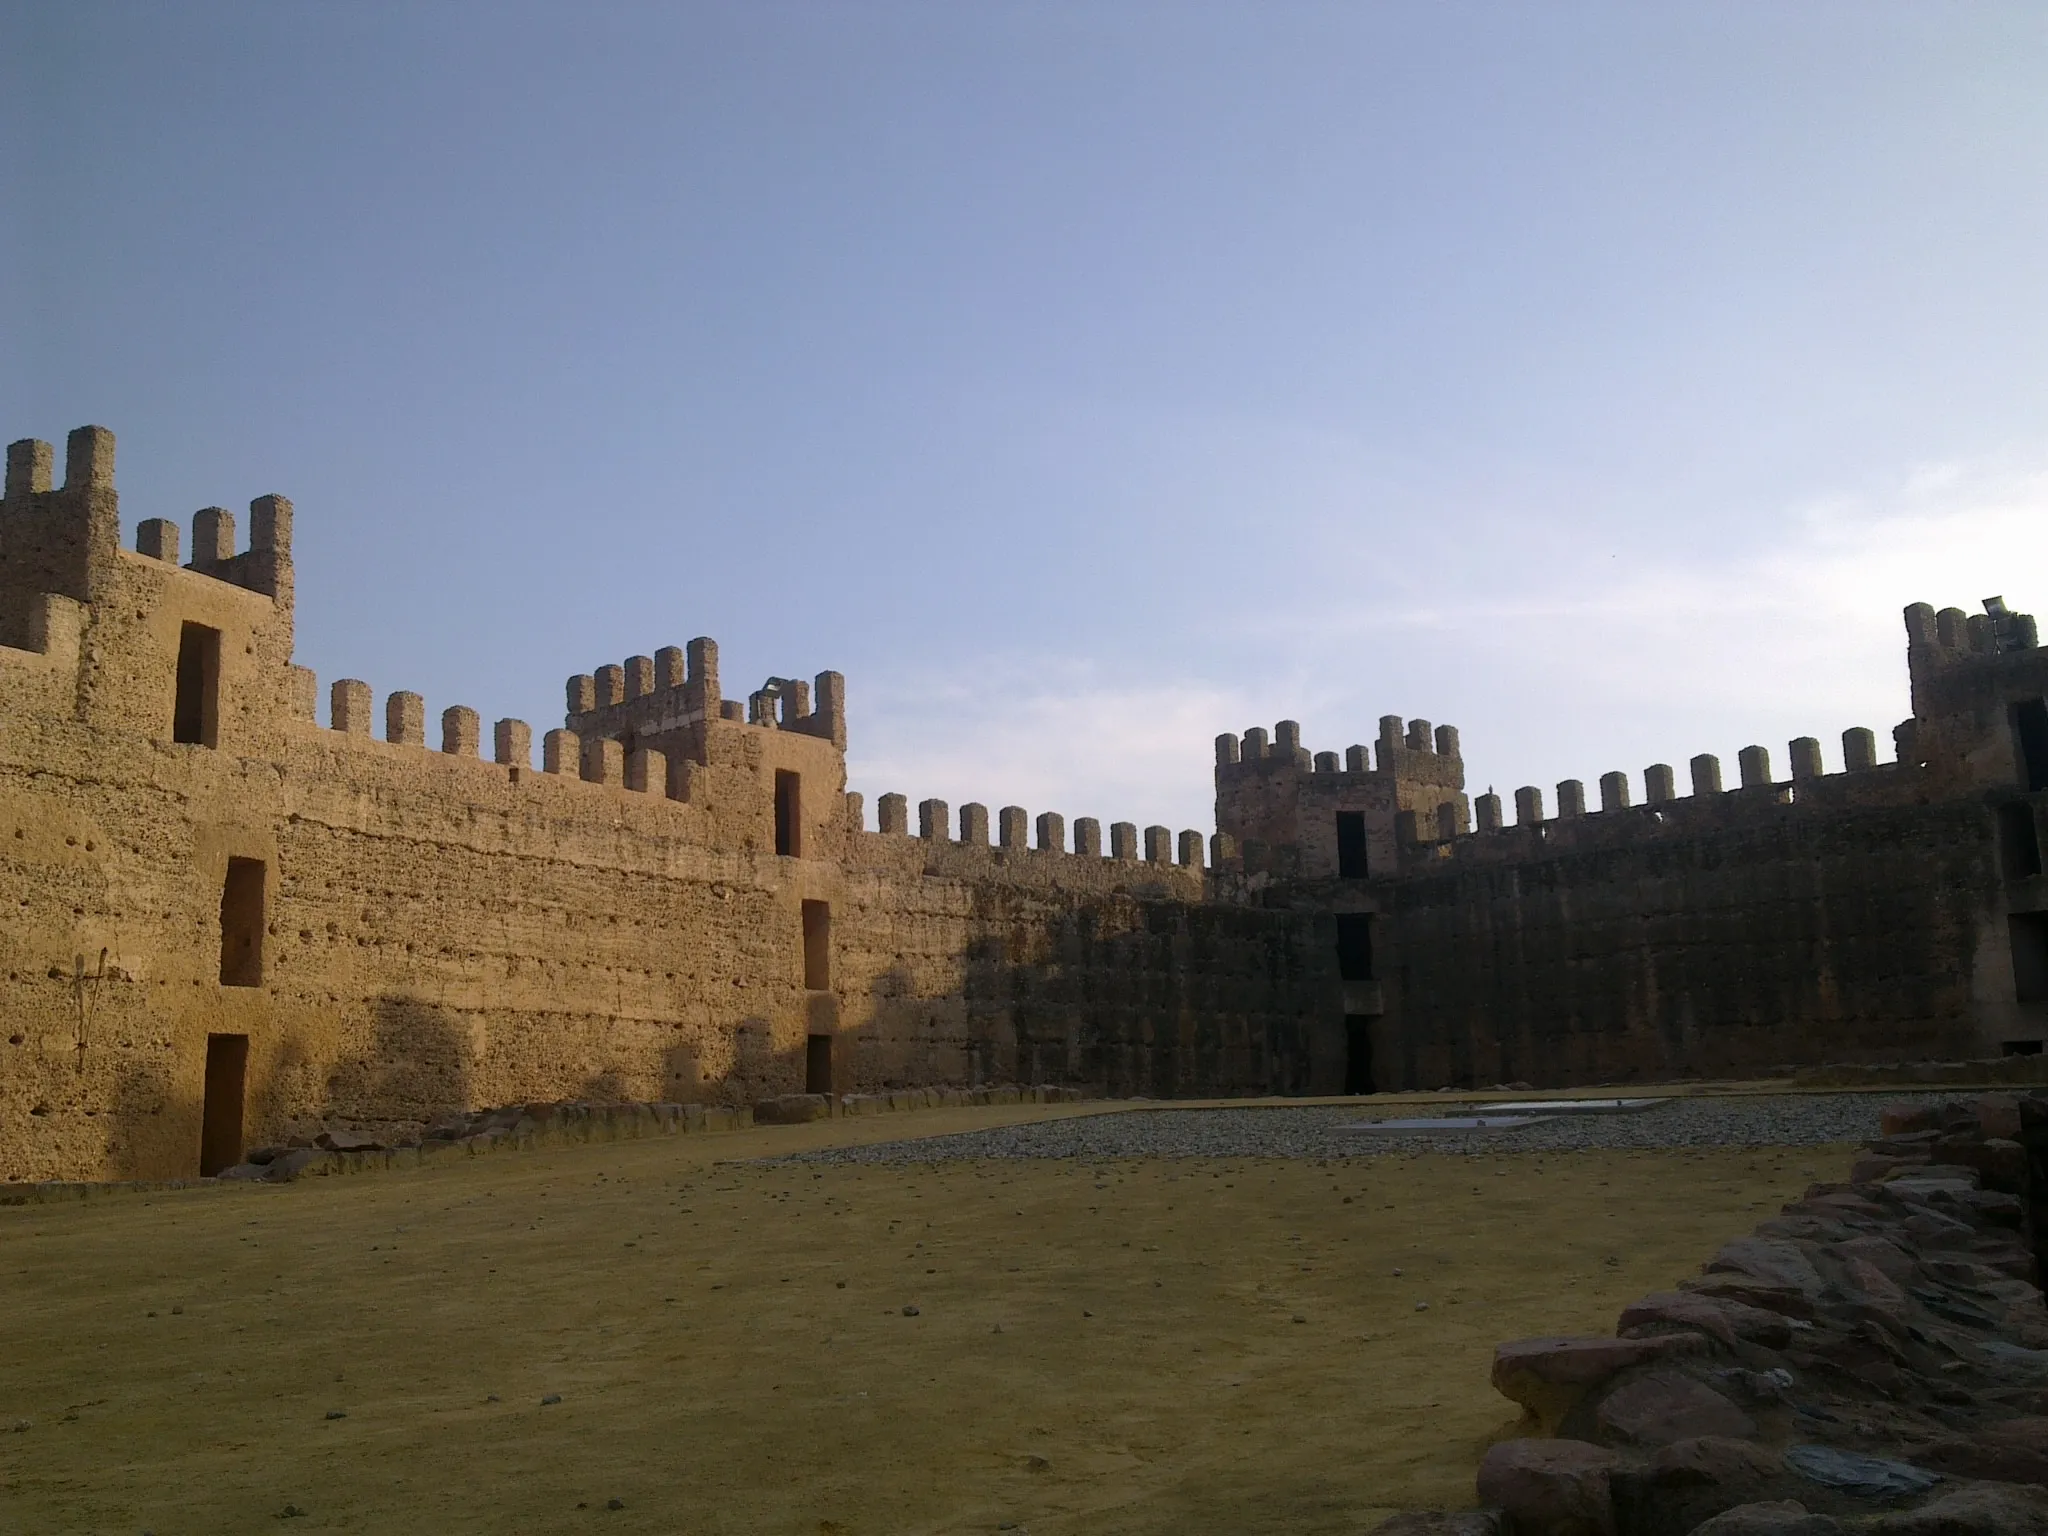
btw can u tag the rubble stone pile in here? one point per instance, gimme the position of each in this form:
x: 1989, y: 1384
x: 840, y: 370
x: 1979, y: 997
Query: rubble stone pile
x: 338, y: 1150
x: 1873, y: 1359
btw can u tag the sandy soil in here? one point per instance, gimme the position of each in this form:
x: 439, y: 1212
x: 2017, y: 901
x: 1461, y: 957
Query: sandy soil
x: 1140, y: 1348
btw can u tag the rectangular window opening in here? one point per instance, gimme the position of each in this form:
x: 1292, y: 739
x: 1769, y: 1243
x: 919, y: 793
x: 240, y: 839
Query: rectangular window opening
x: 818, y: 1064
x: 789, y: 830
x: 2029, y: 931
x: 220, y: 1124
x: 2030, y: 734
x: 1358, y: 1053
x: 241, y: 924
x: 2021, y: 1048
x: 817, y: 946
x: 1351, y: 845
x: 2019, y: 841
x: 195, y: 716
x: 1354, y: 946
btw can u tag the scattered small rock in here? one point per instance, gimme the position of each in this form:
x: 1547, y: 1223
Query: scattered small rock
x: 336, y: 1413
x: 614, y: 1503
x: 910, y: 1310
x: 1422, y: 1306
x: 551, y: 1399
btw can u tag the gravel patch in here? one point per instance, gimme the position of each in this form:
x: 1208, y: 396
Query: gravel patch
x: 1777, y: 1120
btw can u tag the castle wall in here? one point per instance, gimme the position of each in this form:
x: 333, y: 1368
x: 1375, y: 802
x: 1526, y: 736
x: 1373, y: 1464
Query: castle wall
x: 443, y: 926
x: 681, y: 902
x: 1797, y: 936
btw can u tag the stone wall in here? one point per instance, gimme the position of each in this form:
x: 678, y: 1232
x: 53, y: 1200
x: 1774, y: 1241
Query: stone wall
x: 440, y: 931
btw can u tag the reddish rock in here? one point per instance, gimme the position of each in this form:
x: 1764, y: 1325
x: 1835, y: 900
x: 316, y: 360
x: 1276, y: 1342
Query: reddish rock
x: 1998, y: 1114
x: 1659, y: 1407
x: 1719, y: 1318
x: 1887, y: 1258
x: 1785, y: 1299
x: 1550, y: 1487
x: 1991, y: 1453
x: 1869, y: 1170
x: 1775, y: 1263
x: 1690, y: 1481
x: 1906, y: 1119
x: 1548, y: 1375
x: 1983, y: 1509
x: 1778, y: 1517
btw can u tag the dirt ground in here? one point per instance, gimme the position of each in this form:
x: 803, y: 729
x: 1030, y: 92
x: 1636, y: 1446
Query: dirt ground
x: 1135, y: 1348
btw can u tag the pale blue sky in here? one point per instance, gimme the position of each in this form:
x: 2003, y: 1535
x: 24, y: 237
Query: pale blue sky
x: 1081, y: 380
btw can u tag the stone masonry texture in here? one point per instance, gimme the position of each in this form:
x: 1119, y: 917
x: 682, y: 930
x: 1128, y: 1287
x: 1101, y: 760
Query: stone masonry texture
x: 229, y: 924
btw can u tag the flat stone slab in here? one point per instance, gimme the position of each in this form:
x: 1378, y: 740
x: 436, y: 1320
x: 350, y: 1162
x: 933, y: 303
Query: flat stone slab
x: 1448, y: 1123
x: 1575, y: 1106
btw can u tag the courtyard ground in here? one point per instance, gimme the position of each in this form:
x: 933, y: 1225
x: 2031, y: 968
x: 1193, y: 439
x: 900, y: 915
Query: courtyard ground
x: 667, y: 1336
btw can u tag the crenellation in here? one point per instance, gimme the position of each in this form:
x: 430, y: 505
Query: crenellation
x: 213, y: 537
x: 856, y: 809
x: 1614, y: 791
x: 157, y: 537
x: 1859, y: 744
x: 349, y: 705
x: 405, y: 719
x: 28, y: 469
x: 974, y: 825
x: 439, y: 937
x: 604, y: 761
x: 1906, y: 742
x: 561, y: 752
x: 461, y: 731
x: 512, y: 743
x: 892, y: 816
x: 1659, y: 784
x: 646, y: 772
x: 639, y: 680
x: 89, y: 459
x: 1755, y: 765
x: 270, y: 526
x: 1921, y: 629
x: 1052, y: 832
x: 702, y: 653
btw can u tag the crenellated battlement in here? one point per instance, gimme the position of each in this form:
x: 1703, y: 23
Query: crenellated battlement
x: 1014, y: 829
